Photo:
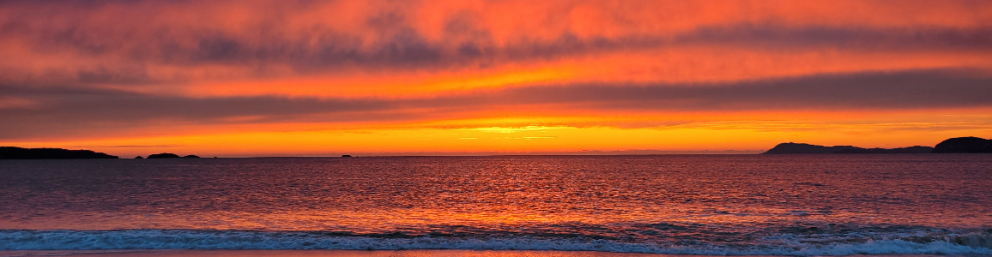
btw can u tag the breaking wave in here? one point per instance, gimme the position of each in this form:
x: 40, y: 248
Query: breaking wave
x: 782, y: 244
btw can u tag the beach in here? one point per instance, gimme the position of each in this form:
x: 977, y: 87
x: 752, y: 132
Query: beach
x: 320, y: 253
x: 337, y: 253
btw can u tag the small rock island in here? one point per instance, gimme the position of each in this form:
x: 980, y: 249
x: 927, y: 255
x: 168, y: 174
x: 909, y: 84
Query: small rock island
x: 162, y: 156
x: 170, y: 156
x: 10, y: 152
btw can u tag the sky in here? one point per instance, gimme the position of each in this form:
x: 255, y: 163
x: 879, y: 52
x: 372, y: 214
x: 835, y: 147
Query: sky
x: 324, y: 78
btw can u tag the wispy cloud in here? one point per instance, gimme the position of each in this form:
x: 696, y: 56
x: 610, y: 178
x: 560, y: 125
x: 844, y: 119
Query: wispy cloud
x: 142, y: 68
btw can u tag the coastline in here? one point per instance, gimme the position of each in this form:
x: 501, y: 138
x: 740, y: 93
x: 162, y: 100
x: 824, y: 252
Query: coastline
x: 342, y: 253
x: 324, y: 253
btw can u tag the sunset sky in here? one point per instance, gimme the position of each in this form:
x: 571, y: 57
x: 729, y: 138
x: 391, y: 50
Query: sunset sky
x: 324, y: 78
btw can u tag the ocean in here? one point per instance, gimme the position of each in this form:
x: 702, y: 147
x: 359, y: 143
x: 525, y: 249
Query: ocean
x: 891, y: 204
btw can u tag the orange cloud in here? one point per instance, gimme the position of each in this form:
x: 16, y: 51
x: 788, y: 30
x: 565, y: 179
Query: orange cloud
x: 270, y: 73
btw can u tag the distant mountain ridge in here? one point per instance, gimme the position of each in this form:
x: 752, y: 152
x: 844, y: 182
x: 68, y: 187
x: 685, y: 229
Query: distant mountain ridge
x: 953, y: 145
x: 801, y: 148
x: 10, y: 152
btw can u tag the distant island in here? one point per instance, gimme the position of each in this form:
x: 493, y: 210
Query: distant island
x: 169, y: 156
x: 800, y: 148
x: 953, y: 145
x: 10, y: 152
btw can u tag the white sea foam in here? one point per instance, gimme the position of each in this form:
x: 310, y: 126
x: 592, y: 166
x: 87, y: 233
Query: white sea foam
x: 184, y: 239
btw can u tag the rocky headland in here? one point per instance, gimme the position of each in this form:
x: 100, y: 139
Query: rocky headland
x: 964, y: 145
x: 10, y: 152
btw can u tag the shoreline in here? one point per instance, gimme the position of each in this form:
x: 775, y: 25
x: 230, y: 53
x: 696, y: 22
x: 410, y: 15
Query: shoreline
x: 347, y: 253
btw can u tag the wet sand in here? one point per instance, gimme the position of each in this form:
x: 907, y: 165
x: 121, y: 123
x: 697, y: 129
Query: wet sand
x: 320, y: 253
x: 341, y: 253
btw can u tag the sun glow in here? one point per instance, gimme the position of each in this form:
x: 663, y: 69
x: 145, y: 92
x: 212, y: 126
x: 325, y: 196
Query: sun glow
x: 394, y: 78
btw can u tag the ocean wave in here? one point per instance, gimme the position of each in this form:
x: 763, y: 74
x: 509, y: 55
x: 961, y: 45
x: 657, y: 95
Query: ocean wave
x: 951, y: 244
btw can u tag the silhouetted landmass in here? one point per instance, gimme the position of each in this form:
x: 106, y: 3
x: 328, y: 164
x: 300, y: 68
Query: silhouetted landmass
x: 138, y: 158
x: 346, y: 155
x: 911, y: 149
x: 10, y: 152
x: 964, y: 145
x: 170, y: 156
x: 800, y: 148
x: 163, y: 156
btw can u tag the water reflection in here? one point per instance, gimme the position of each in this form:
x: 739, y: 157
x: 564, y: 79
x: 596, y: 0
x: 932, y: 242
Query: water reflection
x: 632, y: 198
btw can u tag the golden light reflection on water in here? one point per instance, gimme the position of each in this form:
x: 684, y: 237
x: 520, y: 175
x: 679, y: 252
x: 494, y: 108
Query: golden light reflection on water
x: 640, y: 197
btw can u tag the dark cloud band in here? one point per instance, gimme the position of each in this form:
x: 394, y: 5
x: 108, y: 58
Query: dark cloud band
x: 84, y: 108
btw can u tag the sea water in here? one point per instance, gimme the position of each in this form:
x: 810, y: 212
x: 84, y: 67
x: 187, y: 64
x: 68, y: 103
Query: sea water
x: 671, y: 204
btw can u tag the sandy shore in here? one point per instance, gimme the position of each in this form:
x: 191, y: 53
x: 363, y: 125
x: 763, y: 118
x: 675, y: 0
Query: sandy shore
x: 321, y: 253
x: 343, y: 253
